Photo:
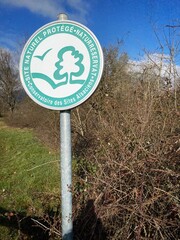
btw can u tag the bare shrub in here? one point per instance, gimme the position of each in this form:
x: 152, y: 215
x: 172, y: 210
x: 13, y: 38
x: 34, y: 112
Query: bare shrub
x: 45, y: 122
x: 130, y: 137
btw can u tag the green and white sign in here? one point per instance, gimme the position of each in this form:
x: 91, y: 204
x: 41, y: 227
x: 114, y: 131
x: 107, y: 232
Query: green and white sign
x: 61, y: 65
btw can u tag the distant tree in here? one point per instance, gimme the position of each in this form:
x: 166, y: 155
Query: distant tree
x: 115, y: 70
x: 168, y: 49
x: 8, y: 80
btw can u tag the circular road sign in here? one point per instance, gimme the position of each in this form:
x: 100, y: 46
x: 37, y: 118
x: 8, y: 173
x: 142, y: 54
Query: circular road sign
x: 61, y: 65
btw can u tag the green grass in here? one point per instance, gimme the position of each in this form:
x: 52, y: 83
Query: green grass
x: 29, y: 173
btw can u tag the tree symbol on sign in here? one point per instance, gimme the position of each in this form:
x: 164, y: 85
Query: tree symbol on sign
x: 69, y: 65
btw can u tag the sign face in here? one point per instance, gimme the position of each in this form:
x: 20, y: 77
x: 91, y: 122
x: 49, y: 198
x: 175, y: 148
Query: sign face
x: 61, y: 65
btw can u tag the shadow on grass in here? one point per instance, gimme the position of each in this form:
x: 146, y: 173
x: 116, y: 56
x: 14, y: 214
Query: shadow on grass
x: 86, y: 226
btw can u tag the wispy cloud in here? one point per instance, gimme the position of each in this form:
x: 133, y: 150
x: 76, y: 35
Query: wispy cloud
x: 8, y: 39
x: 159, y: 63
x: 80, y: 8
x: 76, y: 9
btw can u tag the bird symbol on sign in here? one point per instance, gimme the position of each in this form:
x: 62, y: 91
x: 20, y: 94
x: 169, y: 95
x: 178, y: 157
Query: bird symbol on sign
x: 41, y: 57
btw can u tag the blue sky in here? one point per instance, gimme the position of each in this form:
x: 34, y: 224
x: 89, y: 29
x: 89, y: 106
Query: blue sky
x: 110, y: 20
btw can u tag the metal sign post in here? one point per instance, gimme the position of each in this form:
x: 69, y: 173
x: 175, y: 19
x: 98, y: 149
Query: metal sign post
x: 66, y: 169
x: 60, y: 68
x: 66, y: 175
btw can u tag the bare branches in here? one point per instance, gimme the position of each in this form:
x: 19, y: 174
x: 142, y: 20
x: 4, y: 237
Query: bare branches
x: 8, y: 79
x: 172, y: 26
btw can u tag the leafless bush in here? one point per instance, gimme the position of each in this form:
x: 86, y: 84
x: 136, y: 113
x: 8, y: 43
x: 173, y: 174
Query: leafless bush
x: 131, y: 142
x: 136, y: 152
x: 45, y: 122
